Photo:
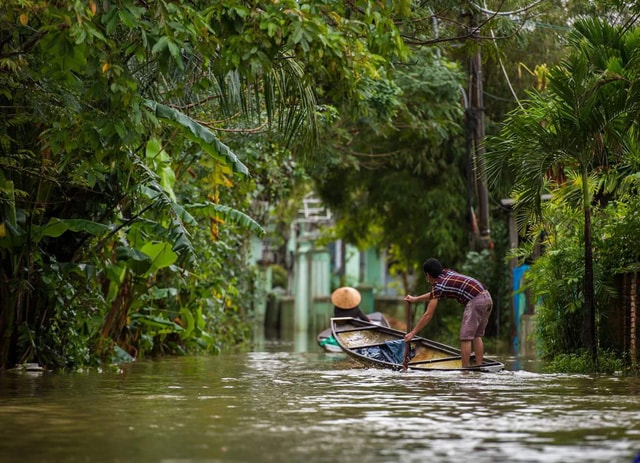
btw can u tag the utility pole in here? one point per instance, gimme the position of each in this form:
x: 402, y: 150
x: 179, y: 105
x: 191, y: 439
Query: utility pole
x: 477, y: 129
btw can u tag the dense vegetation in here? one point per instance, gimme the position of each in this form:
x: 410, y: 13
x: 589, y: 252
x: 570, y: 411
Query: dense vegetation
x: 143, y: 143
x: 577, y: 142
x: 123, y: 226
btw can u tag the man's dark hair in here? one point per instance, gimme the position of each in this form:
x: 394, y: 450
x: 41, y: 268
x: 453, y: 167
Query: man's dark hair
x: 432, y: 267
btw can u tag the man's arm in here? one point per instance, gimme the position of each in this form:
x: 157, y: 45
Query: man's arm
x: 424, y: 320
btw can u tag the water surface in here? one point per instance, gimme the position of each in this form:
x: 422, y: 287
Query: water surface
x: 279, y: 405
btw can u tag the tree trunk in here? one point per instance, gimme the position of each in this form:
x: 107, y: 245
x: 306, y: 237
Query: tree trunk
x: 589, y: 325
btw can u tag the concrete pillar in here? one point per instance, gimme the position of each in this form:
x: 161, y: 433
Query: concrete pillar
x: 320, y: 310
x: 320, y: 273
x: 263, y: 286
x: 302, y: 286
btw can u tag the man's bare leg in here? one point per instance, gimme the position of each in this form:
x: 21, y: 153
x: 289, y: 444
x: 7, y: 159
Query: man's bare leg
x: 465, y: 350
x: 478, y: 348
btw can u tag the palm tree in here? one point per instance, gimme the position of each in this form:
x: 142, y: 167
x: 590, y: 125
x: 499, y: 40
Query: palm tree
x: 580, y: 123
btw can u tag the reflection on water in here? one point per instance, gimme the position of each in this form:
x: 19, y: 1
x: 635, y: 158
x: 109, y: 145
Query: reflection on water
x: 284, y: 405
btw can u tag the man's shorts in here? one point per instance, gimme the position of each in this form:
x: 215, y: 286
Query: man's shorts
x: 476, y: 316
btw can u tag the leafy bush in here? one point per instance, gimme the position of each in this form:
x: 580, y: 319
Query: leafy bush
x: 556, y: 278
x: 580, y: 363
x: 619, y: 240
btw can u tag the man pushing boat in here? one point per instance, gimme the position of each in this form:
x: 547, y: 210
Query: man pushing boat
x: 448, y: 284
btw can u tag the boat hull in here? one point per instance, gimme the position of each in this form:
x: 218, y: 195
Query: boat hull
x: 380, y: 346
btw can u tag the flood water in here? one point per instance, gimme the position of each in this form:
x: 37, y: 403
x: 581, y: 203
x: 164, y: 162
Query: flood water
x: 278, y: 404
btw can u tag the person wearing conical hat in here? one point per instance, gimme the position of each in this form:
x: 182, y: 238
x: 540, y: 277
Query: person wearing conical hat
x: 346, y: 303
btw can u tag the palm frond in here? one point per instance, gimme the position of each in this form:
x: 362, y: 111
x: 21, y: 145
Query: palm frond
x: 204, y: 137
x: 229, y: 214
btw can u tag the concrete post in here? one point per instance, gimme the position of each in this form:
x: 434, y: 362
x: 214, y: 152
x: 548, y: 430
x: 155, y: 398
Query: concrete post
x: 302, y: 287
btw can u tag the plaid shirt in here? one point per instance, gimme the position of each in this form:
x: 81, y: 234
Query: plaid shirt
x: 456, y: 286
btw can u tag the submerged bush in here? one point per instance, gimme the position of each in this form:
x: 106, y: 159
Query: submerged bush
x: 580, y: 363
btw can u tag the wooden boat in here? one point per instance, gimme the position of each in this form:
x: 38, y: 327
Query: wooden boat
x: 380, y: 346
x: 328, y: 343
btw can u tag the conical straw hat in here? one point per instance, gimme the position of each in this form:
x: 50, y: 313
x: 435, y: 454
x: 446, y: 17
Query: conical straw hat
x: 346, y: 297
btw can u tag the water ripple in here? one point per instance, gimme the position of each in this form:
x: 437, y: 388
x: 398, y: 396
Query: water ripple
x: 314, y: 408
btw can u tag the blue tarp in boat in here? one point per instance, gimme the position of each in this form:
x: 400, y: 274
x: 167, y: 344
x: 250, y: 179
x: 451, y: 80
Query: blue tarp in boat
x: 391, y: 351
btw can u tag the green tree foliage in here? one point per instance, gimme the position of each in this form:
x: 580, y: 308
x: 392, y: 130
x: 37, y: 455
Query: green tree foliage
x: 395, y: 175
x: 111, y: 117
x: 398, y: 167
x: 619, y: 241
x: 583, y: 126
x: 556, y: 280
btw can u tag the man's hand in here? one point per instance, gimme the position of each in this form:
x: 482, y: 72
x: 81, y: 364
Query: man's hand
x: 409, y: 336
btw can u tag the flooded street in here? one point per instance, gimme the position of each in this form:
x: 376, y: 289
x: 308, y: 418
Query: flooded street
x: 281, y: 405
